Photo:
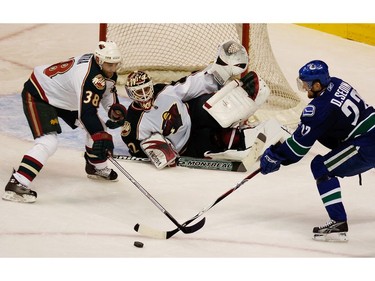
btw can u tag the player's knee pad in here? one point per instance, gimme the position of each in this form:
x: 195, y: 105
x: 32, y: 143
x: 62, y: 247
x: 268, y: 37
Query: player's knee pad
x: 47, y: 144
x: 319, y: 169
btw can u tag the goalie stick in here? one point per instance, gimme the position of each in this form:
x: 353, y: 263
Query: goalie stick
x: 148, y: 231
x: 196, y: 163
x: 184, y: 228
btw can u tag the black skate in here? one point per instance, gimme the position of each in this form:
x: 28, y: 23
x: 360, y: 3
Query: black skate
x: 332, y: 231
x: 17, y: 192
x: 99, y: 174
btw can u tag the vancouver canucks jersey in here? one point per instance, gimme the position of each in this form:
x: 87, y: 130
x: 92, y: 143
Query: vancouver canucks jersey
x: 337, y: 115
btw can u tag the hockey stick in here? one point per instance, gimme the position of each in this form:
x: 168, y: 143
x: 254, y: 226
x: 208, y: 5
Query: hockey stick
x: 185, y: 229
x: 148, y: 231
x: 196, y: 163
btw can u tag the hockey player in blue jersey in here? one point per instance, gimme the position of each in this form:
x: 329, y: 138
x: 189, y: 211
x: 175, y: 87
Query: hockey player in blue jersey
x: 339, y: 119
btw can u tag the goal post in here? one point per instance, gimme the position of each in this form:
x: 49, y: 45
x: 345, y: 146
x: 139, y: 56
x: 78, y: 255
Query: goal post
x: 168, y: 52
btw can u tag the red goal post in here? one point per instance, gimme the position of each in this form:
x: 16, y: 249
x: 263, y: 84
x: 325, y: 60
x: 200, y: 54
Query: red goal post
x: 170, y: 51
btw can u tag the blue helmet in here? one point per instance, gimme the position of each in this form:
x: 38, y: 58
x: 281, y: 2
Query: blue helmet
x: 315, y: 70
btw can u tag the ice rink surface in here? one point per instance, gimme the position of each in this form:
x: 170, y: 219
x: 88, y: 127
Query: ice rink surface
x: 269, y: 217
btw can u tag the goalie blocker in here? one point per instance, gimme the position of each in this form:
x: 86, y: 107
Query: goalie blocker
x: 238, y: 100
x: 160, y: 151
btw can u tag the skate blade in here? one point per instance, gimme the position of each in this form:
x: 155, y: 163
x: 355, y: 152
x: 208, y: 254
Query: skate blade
x: 99, y: 178
x: 331, y: 237
x: 14, y: 197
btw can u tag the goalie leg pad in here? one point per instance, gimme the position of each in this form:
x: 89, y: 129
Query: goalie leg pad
x: 231, y: 105
x: 273, y: 131
x: 159, y: 150
x: 271, y: 128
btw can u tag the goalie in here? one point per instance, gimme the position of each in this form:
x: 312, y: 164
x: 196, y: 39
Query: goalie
x: 200, y: 115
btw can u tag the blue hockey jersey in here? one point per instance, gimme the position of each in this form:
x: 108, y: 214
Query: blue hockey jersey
x: 339, y: 114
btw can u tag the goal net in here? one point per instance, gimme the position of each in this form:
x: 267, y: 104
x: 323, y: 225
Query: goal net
x: 168, y: 52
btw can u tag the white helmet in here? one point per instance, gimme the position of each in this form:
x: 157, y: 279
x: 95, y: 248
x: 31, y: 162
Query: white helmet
x: 108, y: 52
x: 140, y: 89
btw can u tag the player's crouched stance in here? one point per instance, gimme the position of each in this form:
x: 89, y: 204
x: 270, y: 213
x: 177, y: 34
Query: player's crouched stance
x: 340, y: 120
x: 71, y: 90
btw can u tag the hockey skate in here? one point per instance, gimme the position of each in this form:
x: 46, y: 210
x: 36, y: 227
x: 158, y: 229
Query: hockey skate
x: 99, y: 174
x: 17, y: 192
x: 332, y: 231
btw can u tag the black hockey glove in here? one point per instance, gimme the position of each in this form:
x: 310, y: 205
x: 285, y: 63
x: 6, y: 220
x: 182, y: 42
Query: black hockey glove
x: 117, y: 114
x: 103, y: 145
x: 114, y: 124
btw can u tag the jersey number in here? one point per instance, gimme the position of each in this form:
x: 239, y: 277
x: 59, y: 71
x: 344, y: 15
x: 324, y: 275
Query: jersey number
x: 349, y: 107
x: 92, y: 98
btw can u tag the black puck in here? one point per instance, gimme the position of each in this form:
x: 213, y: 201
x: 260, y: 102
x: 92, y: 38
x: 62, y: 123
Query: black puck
x: 138, y: 244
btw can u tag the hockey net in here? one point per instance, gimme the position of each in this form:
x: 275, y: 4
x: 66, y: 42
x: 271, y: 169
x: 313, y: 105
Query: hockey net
x: 170, y: 51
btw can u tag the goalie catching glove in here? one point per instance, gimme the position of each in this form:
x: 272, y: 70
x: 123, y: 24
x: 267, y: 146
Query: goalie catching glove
x: 232, y: 59
x: 159, y: 150
x: 116, y: 113
x: 103, y: 145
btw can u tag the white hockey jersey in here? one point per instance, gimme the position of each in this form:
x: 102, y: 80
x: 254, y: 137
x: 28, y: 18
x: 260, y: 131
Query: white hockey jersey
x: 169, y: 115
x: 77, y: 84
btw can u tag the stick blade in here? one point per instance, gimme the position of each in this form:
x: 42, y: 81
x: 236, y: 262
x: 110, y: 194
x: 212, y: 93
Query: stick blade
x: 194, y: 227
x: 160, y: 234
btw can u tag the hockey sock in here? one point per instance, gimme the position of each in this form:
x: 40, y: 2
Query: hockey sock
x: 330, y: 193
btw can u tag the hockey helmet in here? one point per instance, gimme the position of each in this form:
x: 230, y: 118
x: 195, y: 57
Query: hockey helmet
x: 313, y: 71
x: 140, y: 89
x: 108, y: 52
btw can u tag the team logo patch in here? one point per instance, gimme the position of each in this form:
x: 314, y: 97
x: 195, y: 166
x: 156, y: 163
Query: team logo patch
x: 172, y: 120
x: 308, y: 111
x: 126, y: 128
x: 99, y: 82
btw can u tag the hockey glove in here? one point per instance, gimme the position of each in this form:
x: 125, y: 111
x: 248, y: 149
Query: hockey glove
x: 114, y: 124
x: 103, y: 145
x: 270, y: 161
x: 116, y: 113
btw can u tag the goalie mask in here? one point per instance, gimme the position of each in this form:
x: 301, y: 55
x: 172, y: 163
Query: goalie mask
x: 140, y: 89
x: 108, y: 52
x: 232, y: 59
x: 233, y: 54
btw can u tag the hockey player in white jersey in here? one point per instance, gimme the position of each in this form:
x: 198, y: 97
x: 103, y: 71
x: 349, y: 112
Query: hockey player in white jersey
x: 195, y: 115
x: 71, y: 90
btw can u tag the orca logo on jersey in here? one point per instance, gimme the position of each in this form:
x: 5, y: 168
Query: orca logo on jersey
x: 308, y: 111
x: 126, y: 128
x: 99, y: 82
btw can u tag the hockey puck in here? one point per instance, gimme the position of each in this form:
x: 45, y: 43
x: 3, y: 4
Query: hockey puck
x: 138, y: 244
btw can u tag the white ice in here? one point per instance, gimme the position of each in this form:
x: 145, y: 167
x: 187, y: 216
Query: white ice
x: 269, y: 217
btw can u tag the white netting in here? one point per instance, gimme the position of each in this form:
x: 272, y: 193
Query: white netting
x: 169, y: 51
